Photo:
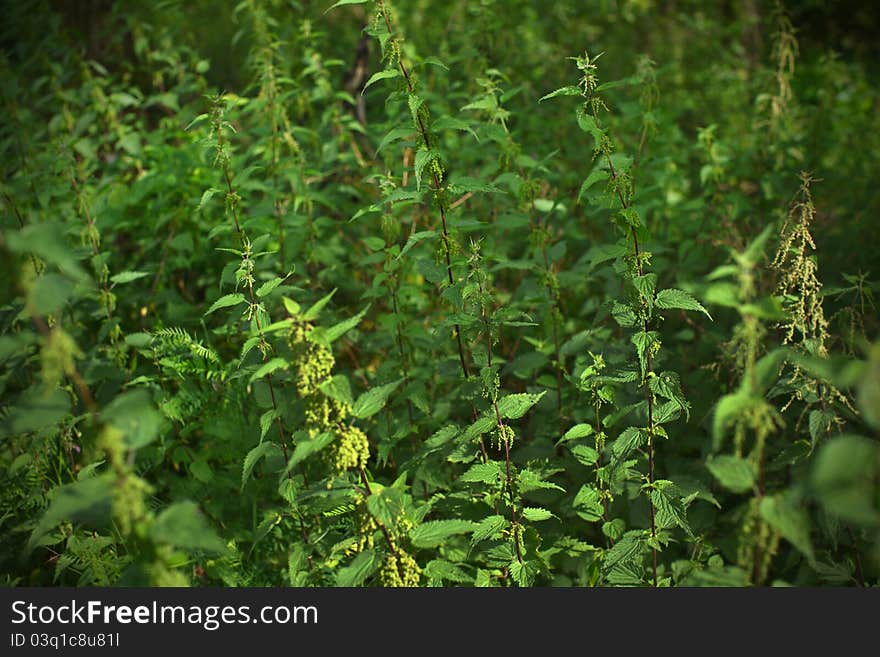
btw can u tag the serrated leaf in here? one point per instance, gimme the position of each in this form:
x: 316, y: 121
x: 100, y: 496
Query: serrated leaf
x: 338, y: 388
x: 268, y: 286
x: 338, y: 330
x: 372, y: 401
x: 423, y: 158
x: 577, y: 431
x: 341, y: 3
x: 435, y: 532
x: 414, y: 239
x: 484, y: 473
x: 562, y: 91
x: 364, y: 564
x: 588, y: 503
x: 127, y: 277
x: 732, y: 472
x: 387, y: 74
x: 315, y: 309
x: 268, y: 368
x: 184, y: 526
x: 631, y: 439
x: 266, y: 420
x: 790, y: 520
x: 516, y: 405
x: 596, y: 175
x: 672, y: 298
x: 479, y: 427
x: 536, y: 514
x: 668, y: 506
x: 646, y: 343
x: 386, y: 505
x: 585, y: 454
x: 226, y: 301
x: 207, y: 195
x: 308, y: 446
x: 489, y: 527
x: 253, y: 458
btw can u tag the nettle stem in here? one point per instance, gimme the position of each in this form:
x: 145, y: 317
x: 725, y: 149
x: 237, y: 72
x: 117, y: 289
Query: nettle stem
x: 232, y: 200
x: 436, y: 188
x: 388, y: 540
x: 649, y: 365
x: 503, y: 431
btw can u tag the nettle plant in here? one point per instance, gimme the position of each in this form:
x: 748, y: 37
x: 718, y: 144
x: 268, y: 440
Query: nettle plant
x: 632, y: 557
x: 332, y: 298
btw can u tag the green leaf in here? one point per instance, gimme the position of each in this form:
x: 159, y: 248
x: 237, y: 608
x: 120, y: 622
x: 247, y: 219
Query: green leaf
x: 515, y: 406
x: 435, y: 532
x: 387, y: 74
x: 315, y: 309
x: 268, y: 286
x: 732, y: 472
x: 438, y: 570
x: 646, y: 344
x: 127, y: 277
x: 372, y: 401
x: 414, y: 239
x: 226, y: 301
x: 585, y: 454
x: 182, y: 525
x: 587, y: 123
x: 338, y: 388
x: 50, y: 293
x: 266, y: 420
x: 562, y: 91
x: 360, y: 568
x: 423, y: 158
x: 341, y: 3
x: 479, y: 427
x: 338, y: 330
x: 588, y: 503
x: 89, y: 501
x: 729, y: 408
x: 268, y: 368
x: 484, y: 473
x: 631, y: 439
x: 207, y: 196
x: 790, y: 520
x: 577, y: 431
x: 668, y: 506
x: 680, y: 299
x: 596, y: 175
x: 133, y: 413
x: 489, y: 527
x: 845, y: 478
x: 393, y: 136
x: 536, y: 514
x: 386, y: 505
x: 253, y: 458
x: 308, y: 446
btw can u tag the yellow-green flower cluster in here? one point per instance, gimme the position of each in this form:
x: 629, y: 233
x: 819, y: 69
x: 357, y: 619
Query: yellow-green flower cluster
x: 758, y: 544
x: 323, y: 413
x: 314, y: 361
x: 504, y: 435
x: 399, y: 569
x: 366, y: 527
x: 314, y: 365
x: 351, y: 448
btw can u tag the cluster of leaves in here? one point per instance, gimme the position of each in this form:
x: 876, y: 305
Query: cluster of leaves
x: 395, y: 312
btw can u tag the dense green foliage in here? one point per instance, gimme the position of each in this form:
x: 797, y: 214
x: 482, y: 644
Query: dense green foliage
x: 416, y: 293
